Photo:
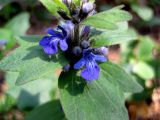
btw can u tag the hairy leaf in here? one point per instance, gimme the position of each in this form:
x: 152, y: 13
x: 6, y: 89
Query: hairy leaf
x: 50, y: 5
x: 31, y: 62
x: 107, y: 38
x: 54, y: 5
x: 39, y: 91
x: 97, y: 100
x: 117, y: 75
x: 19, y: 24
x: 51, y: 110
x: 108, y: 19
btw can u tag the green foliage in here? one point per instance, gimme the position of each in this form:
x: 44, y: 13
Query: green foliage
x: 50, y: 5
x: 19, y: 24
x: 7, y: 35
x: 143, y: 70
x: 54, y: 5
x: 108, y: 19
x: 31, y: 94
x: 15, y: 27
x: 103, y: 97
x: 106, y: 38
x: 6, y: 102
x: 145, y: 48
x: 138, y: 60
x: 122, y: 79
x: 50, y: 111
x: 98, y: 100
x: 144, y: 12
x: 31, y: 63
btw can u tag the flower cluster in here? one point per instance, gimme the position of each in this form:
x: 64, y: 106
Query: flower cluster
x: 73, y: 38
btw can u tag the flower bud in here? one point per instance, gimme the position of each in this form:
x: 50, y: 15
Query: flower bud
x: 77, y: 50
x: 85, y: 1
x: 86, y: 30
x: 85, y: 44
x: 67, y: 1
x: 66, y: 68
x: 87, y: 7
x: 103, y: 50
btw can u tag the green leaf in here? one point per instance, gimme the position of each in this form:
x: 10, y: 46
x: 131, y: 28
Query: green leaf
x: 6, y: 103
x: 107, y: 38
x: 19, y: 24
x: 24, y: 93
x: 144, y: 12
x: 97, y: 100
x: 50, y: 111
x: 54, y: 5
x: 50, y: 5
x: 7, y: 35
x: 108, y: 19
x: 61, y: 5
x: 145, y: 48
x: 143, y: 70
x: 116, y: 75
x: 101, y: 99
x: 31, y: 62
x: 77, y: 2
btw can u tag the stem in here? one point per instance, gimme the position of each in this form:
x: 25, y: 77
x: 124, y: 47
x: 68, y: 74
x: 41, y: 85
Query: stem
x: 76, y: 34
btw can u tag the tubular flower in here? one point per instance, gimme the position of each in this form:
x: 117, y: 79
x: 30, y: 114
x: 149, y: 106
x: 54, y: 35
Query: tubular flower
x: 74, y: 39
x: 89, y: 62
x: 50, y: 43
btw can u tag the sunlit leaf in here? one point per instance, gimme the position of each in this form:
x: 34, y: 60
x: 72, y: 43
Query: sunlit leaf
x: 31, y: 62
x: 108, y: 19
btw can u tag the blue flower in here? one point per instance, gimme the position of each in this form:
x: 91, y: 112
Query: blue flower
x: 89, y: 60
x: 50, y: 43
x: 86, y: 30
x: 2, y: 42
x: 68, y: 26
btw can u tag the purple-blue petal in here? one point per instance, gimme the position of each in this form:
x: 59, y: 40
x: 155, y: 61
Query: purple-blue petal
x: 3, y: 42
x: 53, y: 32
x: 63, y: 31
x: 79, y: 64
x: 91, y: 72
x: 45, y: 41
x: 52, y: 47
x: 63, y: 45
x: 50, y: 50
x: 68, y: 25
x: 100, y: 58
x: 86, y: 30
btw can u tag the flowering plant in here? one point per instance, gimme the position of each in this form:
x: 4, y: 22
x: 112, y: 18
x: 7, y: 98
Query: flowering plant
x: 91, y: 87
